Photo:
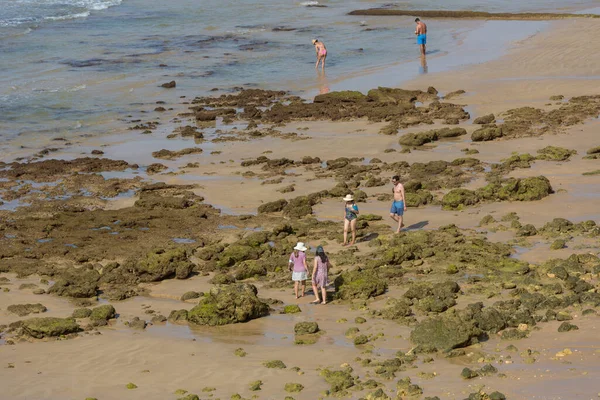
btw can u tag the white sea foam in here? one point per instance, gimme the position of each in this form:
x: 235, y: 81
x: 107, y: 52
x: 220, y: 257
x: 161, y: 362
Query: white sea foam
x: 309, y: 3
x: 27, y: 12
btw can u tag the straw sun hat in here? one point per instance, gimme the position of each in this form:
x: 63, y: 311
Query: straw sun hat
x: 348, y: 197
x: 314, y: 41
x: 300, y: 246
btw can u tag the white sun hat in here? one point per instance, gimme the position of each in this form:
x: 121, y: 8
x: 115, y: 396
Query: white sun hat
x: 348, y: 197
x: 300, y: 246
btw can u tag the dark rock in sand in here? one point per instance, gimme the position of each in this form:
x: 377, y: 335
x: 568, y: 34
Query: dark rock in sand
x: 178, y: 315
x: 190, y: 295
x: 359, y: 284
x: 103, y: 313
x: 486, y: 134
x: 81, y: 313
x: 162, y: 264
x: 298, y: 207
x: 80, y: 282
x: 566, y: 327
x: 25, y: 309
x: 420, y: 138
x: 273, y: 206
x: 445, y: 333
x: 97, y: 152
x: 552, y: 153
x: 527, y: 230
x: 170, y: 155
x: 155, y: 168
x: 485, y: 119
x: 137, y: 323
x: 458, y: 198
x: 454, y: 94
x: 169, y: 85
x: 228, y: 305
x: 306, y: 328
x: 48, y: 327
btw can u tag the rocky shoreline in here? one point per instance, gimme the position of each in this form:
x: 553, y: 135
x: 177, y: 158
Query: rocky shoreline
x: 453, y: 289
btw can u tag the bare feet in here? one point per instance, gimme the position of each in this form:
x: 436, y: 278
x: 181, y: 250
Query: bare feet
x: 316, y: 301
x: 345, y: 244
x: 397, y: 232
x: 323, y: 302
x: 351, y: 243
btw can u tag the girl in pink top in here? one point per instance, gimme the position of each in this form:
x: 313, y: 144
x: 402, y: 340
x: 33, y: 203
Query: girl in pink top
x: 297, y: 265
x: 319, y: 279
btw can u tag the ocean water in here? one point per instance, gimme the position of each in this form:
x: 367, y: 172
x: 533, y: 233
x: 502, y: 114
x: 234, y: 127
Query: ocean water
x: 71, y: 67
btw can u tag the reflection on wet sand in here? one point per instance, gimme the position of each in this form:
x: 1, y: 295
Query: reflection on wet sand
x: 423, y: 69
x: 323, y: 84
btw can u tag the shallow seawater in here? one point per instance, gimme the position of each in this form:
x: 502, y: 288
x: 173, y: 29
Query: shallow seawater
x: 76, y: 66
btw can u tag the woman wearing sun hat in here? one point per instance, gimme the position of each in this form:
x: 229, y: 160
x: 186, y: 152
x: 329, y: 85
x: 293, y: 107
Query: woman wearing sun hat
x: 297, y: 265
x: 350, y: 216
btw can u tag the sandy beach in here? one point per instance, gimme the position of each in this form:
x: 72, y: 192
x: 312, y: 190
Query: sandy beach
x: 483, y: 296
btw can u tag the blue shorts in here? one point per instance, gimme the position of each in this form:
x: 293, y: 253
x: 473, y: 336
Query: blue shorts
x: 422, y: 39
x: 397, y: 208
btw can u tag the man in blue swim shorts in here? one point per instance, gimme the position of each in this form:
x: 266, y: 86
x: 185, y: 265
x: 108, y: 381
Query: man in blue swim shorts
x: 421, y: 33
x: 399, y: 204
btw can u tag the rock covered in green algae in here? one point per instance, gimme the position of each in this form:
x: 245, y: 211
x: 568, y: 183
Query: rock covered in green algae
x: 190, y: 396
x: 49, y: 327
x: 379, y: 394
x: 552, y: 153
x: 162, y: 264
x: 445, y: 332
x: 298, y: 207
x: 23, y: 310
x: 190, y: 295
x: 361, y: 339
x: 273, y: 206
x: 459, y: 198
x: 131, y: 385
x: 566, y: 327
x: 236, y: 253
x: 240, y: 352
x: 484, y: 396
x: 178, y: 315
x: 306, y: 328
x: 339, y: 380
x: 228, y: 305
x: 487, y: 133
x: 256, y: 385
x: 293, y: 387
x: 527, y: 230
x: 103, y: 313
x: 81, y: 313
x: 395, y: 309
x: 81, y: 282
x: 291, y: 309
x: 359, y: 284
x: 485, y: 119
x: 558, y: 244
x: 404, y: 387
x: 275, y: 364
x: 249, y: 269
x: 420, y: 138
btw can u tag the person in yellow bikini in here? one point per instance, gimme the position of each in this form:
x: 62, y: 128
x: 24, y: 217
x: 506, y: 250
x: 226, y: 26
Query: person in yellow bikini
x: 321, y: 53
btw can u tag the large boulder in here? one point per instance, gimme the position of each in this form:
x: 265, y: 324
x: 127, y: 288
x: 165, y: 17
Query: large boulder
x: 228, y: 305
x: 23, y: 310
x: 526, y: 189
x: 444, y: 333
x: 162, y: 264
x: 486, y: 133
x: 344, y: 96
x: 272, y: 206
x: 80, y: 282
x: 48, y: 327
x: 458, y: 198
x: 298, y: 207
x: 359, y: 284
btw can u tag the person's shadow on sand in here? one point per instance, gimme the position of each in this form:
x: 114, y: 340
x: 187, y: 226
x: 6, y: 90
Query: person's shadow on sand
x: 418, y: 225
